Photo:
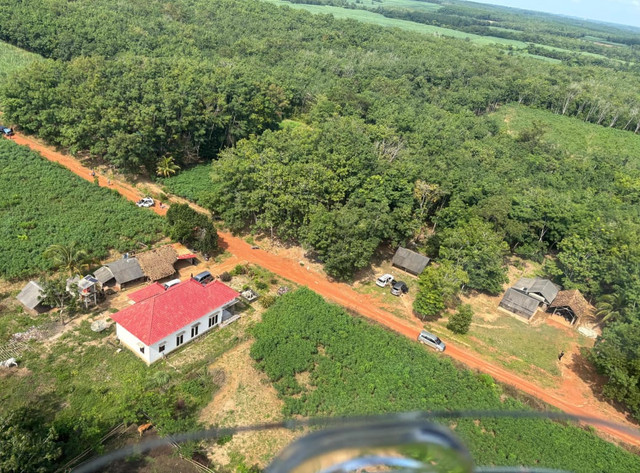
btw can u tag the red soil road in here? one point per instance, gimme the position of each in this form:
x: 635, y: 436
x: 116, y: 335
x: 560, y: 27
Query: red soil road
x: 74, y: 166
x: 344, y: 295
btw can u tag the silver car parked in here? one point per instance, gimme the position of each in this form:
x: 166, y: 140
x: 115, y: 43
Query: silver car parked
x: 430, y: 339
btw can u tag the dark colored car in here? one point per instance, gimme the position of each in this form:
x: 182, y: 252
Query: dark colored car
x: 399, y: 288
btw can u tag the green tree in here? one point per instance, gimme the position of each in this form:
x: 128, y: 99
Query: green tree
x: 55, y: 294
x: 27, y: 443
x: 616, y: 354
x: 67, y: 257
x: 167, y: 167
x: 192, y: 228
x: 438, y: 286
x: 480, y: 251
x: 610, y: 307
x: 460, y: 321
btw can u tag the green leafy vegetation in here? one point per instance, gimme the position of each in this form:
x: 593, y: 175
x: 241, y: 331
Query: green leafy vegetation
x: 388, y: 138
x: 356, y: 368
x: 193, y: 183
x: 460, y: 321
x: 80, y: 388
x: 616, y: 355
x: 192, y: 228
x: 51, y: 206
x: 13, y: 59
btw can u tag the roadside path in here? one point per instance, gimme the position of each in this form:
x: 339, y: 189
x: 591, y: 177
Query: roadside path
x: 362, y: 304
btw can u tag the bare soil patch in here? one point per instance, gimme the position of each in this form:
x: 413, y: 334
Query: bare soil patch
x: 246, y: 398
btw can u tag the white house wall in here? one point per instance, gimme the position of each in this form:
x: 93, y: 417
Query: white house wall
x: 132, y: 342
x: 152, y: 354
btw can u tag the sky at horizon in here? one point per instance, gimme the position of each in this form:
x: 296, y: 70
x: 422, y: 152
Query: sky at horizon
x: 624, y: 12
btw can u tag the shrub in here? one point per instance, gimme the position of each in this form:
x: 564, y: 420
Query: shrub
x: 261, y: 285
x: 225, y: 277
x: 239, y: 269
x: 461, y: 320
x: 267, y: 301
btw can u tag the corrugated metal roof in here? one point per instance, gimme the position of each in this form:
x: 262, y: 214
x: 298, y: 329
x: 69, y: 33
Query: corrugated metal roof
x: 544, y: 287
x: 103, y: 274
x: 30, y: 295
x: 126, y: 270
x: 519, y: 303
x: 410, y: 260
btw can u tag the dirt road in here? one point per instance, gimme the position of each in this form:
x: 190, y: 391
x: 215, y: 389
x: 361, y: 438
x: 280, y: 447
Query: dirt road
x: 360, y: 303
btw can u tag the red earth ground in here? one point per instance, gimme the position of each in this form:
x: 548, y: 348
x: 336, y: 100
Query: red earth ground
x: 574, y: 397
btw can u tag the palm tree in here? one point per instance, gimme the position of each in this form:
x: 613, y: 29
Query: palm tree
x: 167, y: 167
x: 68, y: 257
x: 610, y: 307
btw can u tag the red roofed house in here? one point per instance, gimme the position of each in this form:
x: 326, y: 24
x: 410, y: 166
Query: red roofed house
x: 158, y: 324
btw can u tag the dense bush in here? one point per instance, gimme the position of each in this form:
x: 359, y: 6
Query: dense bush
x: 192, y: 228
x: 356, y: 368
x: 460, y: 321
x: 42, y: 204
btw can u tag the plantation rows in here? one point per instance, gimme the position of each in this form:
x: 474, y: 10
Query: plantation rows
x: 356, y: 368
x: 42, y: 204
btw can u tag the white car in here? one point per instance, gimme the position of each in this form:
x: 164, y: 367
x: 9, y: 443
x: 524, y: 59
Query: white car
x: 146, y: 202
x: 383, y: 280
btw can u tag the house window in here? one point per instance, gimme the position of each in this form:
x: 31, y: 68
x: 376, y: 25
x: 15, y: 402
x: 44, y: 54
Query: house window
x: 179, y: 339
x: 162, y: 347
x: 213, y: 320
x: 194, y: 330
x: 141, y: 349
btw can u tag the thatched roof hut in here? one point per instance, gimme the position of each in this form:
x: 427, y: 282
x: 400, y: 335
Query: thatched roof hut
x: 158, y: 263
x: 571, y: 305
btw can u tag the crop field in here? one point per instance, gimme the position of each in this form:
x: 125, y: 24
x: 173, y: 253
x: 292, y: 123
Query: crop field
x: 192, y: 183
x: 12, y: 59
x: 42, y: 204
x: 324, y: 362
x: 377, y: 19
x: 572, y: 135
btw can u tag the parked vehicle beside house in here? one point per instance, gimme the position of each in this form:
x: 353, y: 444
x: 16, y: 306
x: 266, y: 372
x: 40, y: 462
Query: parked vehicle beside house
x: 204, y: 277
x: 398, y: 288
x: 385, y: 279
x: 431, y: 340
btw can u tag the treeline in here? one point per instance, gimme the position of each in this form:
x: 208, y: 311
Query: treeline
x: 132, y: 110
x: 354, y: 368
x: 136, y: 83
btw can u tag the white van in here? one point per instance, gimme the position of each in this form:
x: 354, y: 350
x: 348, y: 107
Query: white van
x: 431, y: 340
x: 173, y: 282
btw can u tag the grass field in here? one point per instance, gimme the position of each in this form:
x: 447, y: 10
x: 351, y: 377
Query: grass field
x: 42, y: 203
x: 377, y: 19
x: 192, y: 183
x: 12, y: 59
x: 408, y: 4
x: 570, y: 134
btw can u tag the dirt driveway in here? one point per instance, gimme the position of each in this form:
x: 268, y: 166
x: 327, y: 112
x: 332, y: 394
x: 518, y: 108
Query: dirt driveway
x: 367, y: 306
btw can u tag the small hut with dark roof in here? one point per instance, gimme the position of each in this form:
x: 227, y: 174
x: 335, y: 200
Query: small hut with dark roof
x: 572, y: 306
x: 520, y: 303
x: 158, y: 263
x: 410, y: 261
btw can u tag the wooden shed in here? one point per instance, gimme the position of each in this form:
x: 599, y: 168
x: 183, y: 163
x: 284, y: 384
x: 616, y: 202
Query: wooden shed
x: 410, y: 261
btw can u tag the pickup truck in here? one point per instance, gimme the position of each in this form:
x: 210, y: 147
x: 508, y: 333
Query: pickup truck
x: 6, y: 131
